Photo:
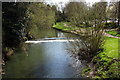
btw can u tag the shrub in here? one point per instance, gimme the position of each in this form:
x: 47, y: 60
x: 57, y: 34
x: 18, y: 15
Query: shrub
x: 89, y: 45
x: 106, y: 67
x: 111, y: 25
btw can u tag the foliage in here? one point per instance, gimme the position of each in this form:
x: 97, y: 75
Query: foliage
x: 98, y: 11
x: 87, y: 70
x: 21, y: 20
x: 76, y: 12
x: 82, y: 15
x: 60, y: 16
x: 114, y: 71
x: 112, y: 10
x: 13, y: 23
x: 40, y: 16
x: 106, y: 64
x: 89, y: 45
x: 111, y: 25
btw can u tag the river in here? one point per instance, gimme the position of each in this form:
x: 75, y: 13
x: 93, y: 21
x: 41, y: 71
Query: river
x: 44, y: 60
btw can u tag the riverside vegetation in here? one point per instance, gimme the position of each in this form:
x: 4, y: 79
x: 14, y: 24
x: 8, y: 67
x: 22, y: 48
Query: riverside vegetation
x: 104, y: 62
x: 23, y: 21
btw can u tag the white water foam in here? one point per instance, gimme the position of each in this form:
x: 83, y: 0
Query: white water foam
x: 42, y: 41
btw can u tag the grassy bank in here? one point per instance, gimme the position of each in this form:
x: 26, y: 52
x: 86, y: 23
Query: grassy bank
x: 114, y: 33
x: 111, y: 47
x: 65, y: 26
x: 106, y: 62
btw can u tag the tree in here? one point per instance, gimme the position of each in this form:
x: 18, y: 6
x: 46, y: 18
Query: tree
x: 98, y: 12
x: 40, y: 15
x: 22, y: 21
x: 91, y: 39
x: 13, y: 23
x: 76, y: 12
x: 112, y: 10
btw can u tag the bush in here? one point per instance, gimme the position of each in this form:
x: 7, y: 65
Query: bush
x: 114, y: 71
x: 106, y: 67
x: 111, y: 25
x: 89, y: 45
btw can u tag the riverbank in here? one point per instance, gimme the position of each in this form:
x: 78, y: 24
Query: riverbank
x: 66, y: 27
x: 113, y: 33
x: 104, y: 62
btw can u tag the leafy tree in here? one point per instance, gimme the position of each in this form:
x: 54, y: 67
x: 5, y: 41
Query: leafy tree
x: 98, y: 12
x: 40, y: 15
x: 91, y: 39
x: 112, y: 10
x: 22, y: 20
x: 13, y: 23
x: 76, y: 12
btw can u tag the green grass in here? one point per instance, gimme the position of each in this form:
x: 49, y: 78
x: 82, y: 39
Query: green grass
x: 105, y: 68
x: 111, y: 47
x: 111, y: 50
x: 61, y: 26
x: 114, y: 33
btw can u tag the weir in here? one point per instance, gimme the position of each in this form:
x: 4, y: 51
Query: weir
x: 48, y: 58
x: 51, y: 40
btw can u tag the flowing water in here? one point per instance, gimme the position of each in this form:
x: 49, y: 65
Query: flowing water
x: 48, y: 59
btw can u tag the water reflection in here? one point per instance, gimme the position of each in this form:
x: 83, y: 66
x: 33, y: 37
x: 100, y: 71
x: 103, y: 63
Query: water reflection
x: 60, y: 34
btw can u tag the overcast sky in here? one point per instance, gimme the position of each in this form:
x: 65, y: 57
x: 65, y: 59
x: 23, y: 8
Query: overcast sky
x: 56, y: 1
x: 63, y: 2
x: 73, y: 0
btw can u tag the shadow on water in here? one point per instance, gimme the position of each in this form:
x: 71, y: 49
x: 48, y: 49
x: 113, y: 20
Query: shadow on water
x: 44, y: 60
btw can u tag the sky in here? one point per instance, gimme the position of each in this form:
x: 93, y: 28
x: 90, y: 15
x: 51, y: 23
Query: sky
x: 63, y: 2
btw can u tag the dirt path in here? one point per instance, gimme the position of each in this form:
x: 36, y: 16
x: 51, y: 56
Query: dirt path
x: 106, y: 34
